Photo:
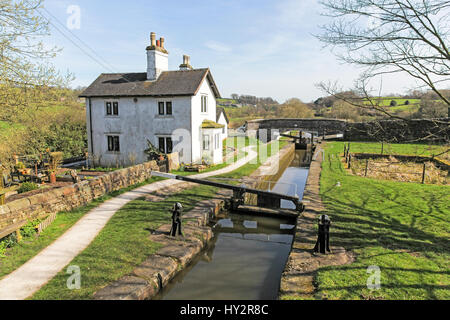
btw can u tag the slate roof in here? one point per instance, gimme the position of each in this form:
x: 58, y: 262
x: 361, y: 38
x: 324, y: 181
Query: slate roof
x: 169, y: 83
x: 219, y: 110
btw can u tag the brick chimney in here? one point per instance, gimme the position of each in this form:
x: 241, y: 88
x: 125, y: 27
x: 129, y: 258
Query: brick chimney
x: 186, y: 65
x: 157, y: 58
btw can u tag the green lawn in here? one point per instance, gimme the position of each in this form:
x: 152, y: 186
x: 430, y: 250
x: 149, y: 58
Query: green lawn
x: 122, y: 245
x: 28, y: 248
x: 403, y: 228
x: 392, y: 148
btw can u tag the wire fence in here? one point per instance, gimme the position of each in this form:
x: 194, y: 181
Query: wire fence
x: 413, y: 169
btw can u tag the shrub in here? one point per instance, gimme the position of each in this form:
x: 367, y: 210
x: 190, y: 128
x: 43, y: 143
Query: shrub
x: 393, y: 103
x: 29, y: 229
x: 407, y: 103
x: 27, y: 186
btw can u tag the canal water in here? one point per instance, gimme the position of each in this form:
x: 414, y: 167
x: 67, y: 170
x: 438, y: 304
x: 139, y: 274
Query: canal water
x: 248, y: 253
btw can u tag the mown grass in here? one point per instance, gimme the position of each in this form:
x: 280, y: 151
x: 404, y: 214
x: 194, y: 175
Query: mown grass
x: 122, y: 245
x: 25, y: 250
x: 403, y: 228
x: 393, y: 148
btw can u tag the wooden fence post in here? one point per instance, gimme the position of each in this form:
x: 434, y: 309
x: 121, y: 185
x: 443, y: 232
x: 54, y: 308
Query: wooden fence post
x: 345, y: 147
x: 349, y: 161
x: 2, y: 195
x: 423, y: 173
x: 367, y: 164
x: 382, y: 147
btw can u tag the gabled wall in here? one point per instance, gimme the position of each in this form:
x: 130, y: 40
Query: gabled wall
x: 198, y: 117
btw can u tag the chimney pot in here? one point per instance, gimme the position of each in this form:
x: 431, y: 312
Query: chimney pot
x: 161, y: 40
x: 152, y: 39
x: 157, y: 43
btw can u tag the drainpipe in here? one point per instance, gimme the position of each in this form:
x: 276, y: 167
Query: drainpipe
x: 90, y: 126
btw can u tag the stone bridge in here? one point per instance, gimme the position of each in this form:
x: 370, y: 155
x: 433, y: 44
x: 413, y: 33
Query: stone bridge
x: 319, y: 126
x: 415, y: 130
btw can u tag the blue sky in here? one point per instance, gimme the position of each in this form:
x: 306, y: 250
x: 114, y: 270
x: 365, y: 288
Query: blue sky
x: 263, y: 48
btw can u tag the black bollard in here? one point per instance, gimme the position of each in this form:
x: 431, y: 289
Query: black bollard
x: 176, y: 220
x: 323, y: 238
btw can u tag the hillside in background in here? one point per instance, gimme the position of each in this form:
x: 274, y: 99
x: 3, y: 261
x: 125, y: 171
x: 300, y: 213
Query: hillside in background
x: 58, y: 124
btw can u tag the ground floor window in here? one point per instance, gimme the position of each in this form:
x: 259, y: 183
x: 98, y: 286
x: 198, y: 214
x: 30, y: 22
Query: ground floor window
x: 217, y: 141
x: 113, y: 143
x: 205, y: 142
x: 165, y: 144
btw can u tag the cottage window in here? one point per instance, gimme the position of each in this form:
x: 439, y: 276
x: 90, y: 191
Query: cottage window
x: 168, y: 107
x: 165, y: 144
x: 162, y: 145
x: 205, y: 142
x: 108, y: 108
x: 113, y: 143
x: 204, y: 104
x: 112, y: 108
x: 217, y: 141
x: 161, y: 107
x: 169, y: 145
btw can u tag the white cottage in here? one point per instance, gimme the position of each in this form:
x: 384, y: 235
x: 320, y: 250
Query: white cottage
x: 175, y: 110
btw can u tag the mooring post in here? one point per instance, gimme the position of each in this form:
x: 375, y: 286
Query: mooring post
x: 367, y: 164
x: 323, y: 237
x: 176, y: 220
x: 423, y: 173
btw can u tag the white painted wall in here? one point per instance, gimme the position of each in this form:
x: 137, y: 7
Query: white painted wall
x: 215, y: 152
x: 223, y: 121
x: 198, y: 117
x: 136, y: 122
x: 157, y: 62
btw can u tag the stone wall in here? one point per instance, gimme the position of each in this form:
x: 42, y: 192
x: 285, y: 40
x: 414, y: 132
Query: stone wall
x: 435, y: 130
x: 319, y: 125
x: 72, y: 196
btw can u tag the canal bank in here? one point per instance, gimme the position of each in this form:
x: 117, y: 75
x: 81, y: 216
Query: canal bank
x: 248, y: 252
x: 297, y: 280
x: 174, y: 255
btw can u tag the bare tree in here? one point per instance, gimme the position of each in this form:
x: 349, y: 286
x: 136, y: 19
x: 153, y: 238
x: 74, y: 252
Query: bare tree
x: 392, y: 36
x: 26, y: 76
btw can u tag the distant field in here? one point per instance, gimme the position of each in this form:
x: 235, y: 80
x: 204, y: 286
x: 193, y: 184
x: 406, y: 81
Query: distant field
x: 225, y: 100
x: 386, y: 101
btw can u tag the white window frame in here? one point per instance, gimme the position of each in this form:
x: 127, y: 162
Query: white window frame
x: 164, y: 108
x: 113, y: 137
x: 217, y: 140
x: 208, y: 142
x: 204, y: 103
x: 112, y: 102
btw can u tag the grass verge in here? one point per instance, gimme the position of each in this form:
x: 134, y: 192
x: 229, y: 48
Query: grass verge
x: 403, y: 228
x: 29, y: 247
x: 122, y: 245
